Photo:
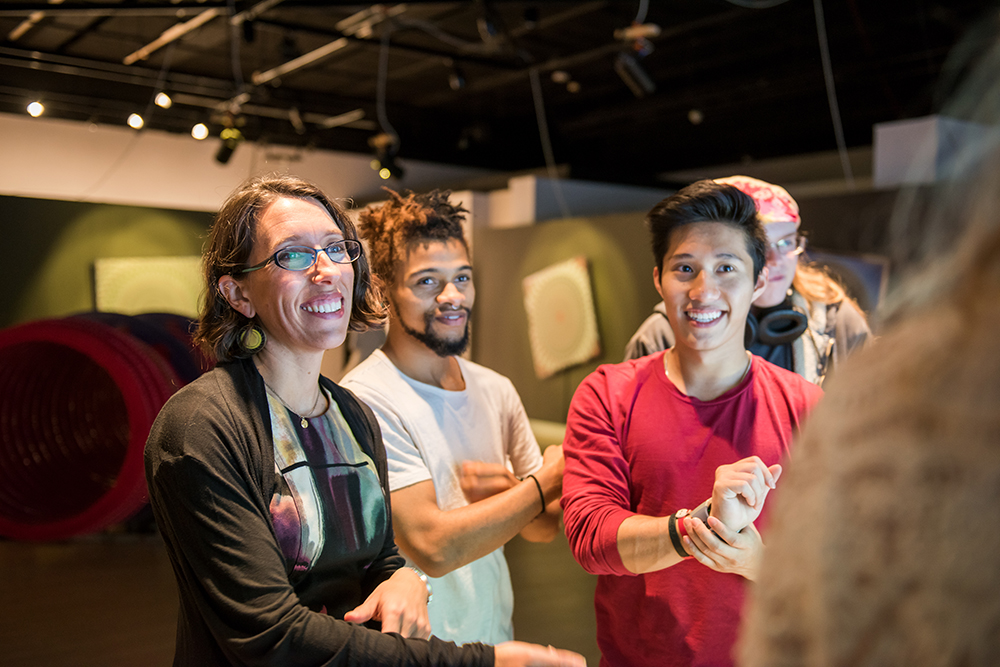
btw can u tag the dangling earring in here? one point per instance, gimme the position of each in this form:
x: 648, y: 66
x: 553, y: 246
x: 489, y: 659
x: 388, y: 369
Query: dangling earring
x: 252, y: 339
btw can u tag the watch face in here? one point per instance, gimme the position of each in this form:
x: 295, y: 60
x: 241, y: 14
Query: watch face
x: 682, y: 513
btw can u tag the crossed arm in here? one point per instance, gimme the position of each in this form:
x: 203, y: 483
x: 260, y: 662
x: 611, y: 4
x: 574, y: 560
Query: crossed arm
x: 440, y: 541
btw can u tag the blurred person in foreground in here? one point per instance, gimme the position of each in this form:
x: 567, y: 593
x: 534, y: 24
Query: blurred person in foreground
x: 803, y: 321
x: 268, y: 481
x: 884, y: 548
x: 650, y: 438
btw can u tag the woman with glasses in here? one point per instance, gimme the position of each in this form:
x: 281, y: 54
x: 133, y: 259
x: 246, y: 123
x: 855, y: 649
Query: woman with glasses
x: 268, y: 481
x: 804, y: 321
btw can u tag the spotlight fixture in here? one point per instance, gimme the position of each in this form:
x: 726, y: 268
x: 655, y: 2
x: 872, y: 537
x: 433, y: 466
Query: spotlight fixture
x: 456, y: 79
x: 135, y: 121
x: 634, y: 76
x: 163, y: 100
x: 231, y: 138
x: 386, y: 146
x: 36, y: 109
x: 199, y: 131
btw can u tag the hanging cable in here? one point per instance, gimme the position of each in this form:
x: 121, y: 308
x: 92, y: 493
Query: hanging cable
x: 831, y: 94
x: 543, y: 132
x: 640, y: 16
x: 380, y: 84
x: 757, y: 4
x: 235, y: 34
x: 134, y: 140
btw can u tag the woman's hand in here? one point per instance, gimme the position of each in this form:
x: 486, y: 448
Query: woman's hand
x: 521, y: 654
x: 724, y: 550
x: 740, y: 490
x: 480, y: 480
x: 400, y: 603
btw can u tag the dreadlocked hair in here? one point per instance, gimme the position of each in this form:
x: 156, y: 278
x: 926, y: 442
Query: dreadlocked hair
x: 393, y: 227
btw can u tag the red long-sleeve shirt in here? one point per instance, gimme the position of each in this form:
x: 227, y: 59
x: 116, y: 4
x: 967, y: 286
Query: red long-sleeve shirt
x: 636, y: 445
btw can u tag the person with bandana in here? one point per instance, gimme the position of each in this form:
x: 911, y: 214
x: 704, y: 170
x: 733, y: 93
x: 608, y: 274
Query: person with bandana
x: 804, y: 321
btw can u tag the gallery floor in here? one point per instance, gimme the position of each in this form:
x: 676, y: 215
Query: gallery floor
x: 110, y: 601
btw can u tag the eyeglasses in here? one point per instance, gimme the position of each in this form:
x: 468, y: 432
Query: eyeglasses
x: 789, y: 246
x: 300, y: 257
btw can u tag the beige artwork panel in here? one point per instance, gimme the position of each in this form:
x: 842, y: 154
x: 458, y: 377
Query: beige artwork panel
x: 134, y: 285
x: 562, y: 323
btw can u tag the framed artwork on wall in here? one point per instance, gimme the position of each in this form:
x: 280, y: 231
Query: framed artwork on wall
x: 134, y: 285
x: 562, y: 324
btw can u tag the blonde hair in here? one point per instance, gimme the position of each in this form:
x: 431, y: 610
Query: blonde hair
x: 817, y: 286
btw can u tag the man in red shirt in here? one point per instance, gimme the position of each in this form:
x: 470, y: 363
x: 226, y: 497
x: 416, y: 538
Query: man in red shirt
x: 650, y: 438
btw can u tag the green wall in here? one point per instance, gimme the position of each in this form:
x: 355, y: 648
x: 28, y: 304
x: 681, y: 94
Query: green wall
x: 621, y: 271
x: 47, y: 269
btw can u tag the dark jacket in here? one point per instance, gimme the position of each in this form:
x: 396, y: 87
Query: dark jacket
x: 210, y: 470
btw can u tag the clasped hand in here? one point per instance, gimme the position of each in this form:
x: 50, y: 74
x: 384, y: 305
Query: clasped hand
x: 740, y: 490
x: 722, y: 549
x: 730, y: 542
x: 400, y: 603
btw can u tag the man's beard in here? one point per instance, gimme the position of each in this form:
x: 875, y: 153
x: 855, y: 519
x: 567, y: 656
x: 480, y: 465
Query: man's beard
x: 439, y: 346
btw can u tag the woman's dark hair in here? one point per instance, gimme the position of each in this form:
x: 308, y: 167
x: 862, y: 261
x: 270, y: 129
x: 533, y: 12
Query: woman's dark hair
x: 228, y: 249
x: 708, y: 201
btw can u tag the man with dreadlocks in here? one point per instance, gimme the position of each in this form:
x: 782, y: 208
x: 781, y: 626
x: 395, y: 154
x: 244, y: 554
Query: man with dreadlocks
x: 465, y: 471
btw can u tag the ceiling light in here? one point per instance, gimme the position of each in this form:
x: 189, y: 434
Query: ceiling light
x: 634, y: 76
x: 135, y: 121
x: 36, y: 109
x: 231, y: 138
x: 199, y: 131
x: 386, y: 147
x: 456, y: 79
x: 163, y: 100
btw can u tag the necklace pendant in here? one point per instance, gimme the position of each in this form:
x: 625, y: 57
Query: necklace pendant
x: 304, y: 423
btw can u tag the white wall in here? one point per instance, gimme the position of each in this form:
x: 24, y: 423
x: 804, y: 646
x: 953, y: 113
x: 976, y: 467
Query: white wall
x: 67, y: 160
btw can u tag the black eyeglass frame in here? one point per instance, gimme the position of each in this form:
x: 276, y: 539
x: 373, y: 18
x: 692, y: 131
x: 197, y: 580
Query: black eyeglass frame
x: 350, y: 247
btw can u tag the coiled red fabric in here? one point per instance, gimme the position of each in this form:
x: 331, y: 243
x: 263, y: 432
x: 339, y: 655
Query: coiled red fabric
x: 77, y: 398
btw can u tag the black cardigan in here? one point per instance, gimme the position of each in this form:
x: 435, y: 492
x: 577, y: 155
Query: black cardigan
x: 210, y: 470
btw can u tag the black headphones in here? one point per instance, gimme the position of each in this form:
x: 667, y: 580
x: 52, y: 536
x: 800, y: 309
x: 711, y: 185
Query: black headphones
x: 780, y: 326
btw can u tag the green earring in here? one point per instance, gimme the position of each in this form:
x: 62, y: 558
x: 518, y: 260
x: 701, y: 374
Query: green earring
x: 252, y: 339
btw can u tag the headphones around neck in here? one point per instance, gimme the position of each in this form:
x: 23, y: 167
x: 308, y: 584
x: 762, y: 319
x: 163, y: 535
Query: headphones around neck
x: 780, y: 326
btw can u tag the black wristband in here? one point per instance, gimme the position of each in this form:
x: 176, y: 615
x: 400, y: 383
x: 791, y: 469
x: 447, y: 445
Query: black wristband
x: 538, y: 486
x: 675, y: 537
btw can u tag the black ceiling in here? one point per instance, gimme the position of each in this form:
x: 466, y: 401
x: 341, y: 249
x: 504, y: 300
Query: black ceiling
x: 734, y: 81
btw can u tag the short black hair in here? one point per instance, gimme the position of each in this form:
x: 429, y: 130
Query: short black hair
x: 708, y: 201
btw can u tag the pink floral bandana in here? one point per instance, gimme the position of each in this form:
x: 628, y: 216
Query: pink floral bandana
x: 774, y: 204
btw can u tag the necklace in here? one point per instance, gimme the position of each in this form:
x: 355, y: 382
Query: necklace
x: 303, y: 422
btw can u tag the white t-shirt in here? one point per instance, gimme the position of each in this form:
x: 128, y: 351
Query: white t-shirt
x: 428, y: 432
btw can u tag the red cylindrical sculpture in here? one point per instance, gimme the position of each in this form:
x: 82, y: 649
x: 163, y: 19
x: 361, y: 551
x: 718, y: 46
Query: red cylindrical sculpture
x: 77, y: 399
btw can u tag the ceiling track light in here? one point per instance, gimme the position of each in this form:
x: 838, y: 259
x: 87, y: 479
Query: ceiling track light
x: 386, y: 147
x: 135, y: 121
x: 231, y: 139
x: 634, y: 76
x: 36, y: 109
x: 163, y: 100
